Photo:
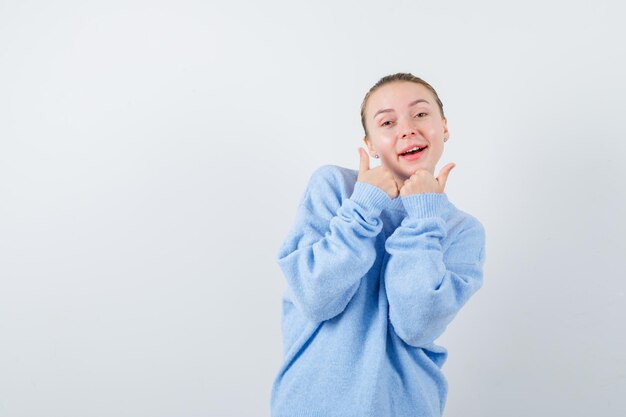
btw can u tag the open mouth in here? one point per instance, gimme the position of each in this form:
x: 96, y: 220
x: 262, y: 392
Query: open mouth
x: 413, y: 153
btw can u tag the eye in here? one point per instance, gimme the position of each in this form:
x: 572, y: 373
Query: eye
x: 422, y: 114
x: 386, y: 123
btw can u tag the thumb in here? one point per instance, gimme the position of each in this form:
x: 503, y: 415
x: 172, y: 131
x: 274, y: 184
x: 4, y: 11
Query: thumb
x: 365, y: 160
x: 443, y: 175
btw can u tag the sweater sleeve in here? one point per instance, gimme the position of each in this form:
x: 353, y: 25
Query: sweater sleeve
x: 425, y: 293
x: 331, y: 246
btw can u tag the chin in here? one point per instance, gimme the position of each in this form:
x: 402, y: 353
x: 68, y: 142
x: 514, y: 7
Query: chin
x: 411, y: 168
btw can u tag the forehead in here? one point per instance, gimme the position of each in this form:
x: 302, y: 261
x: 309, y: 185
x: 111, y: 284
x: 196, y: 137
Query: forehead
x: 398, y: 95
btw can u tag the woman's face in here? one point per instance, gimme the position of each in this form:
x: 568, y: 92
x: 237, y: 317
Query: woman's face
x: 399, y: 116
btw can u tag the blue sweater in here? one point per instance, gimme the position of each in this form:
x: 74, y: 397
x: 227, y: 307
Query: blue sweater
x: 371, y: 283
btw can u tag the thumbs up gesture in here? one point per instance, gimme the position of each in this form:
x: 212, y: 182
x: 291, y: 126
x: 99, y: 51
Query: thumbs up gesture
x: 380, y: 176
x: 422, y: 181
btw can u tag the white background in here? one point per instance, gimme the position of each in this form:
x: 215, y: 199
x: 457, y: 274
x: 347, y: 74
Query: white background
x: 152, y: 155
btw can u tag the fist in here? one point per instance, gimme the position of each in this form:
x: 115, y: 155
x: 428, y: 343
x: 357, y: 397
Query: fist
x: 380, y: 176
x: 422, y: 181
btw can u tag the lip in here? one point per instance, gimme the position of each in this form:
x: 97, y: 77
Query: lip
x: 411, y: 147
x: 414, y: 156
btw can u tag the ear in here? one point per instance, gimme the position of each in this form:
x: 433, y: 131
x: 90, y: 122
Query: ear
x: 446, y: 133
x: 369, y: 146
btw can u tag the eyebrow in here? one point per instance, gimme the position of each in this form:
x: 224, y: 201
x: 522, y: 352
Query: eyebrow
x: 413, y: 103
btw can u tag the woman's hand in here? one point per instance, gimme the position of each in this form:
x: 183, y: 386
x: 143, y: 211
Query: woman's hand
x: 422, y: 181
x: 380, y: 176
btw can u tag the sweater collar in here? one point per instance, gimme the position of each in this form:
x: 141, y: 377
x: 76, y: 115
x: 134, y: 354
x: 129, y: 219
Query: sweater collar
x: 397, y: 206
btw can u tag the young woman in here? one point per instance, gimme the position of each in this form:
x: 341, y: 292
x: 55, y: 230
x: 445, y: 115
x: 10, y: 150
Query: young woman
x: 378, y: 263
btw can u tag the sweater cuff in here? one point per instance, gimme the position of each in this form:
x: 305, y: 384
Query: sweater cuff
x: 370, y: 197
x: 424, y: 205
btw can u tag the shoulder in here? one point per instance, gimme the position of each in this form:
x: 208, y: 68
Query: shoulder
x: 471, y: 223
x: 328, y: 186
x: 460, y: 221
x: 332, y: 179
x: 467, y: 238
x: 334, y: 173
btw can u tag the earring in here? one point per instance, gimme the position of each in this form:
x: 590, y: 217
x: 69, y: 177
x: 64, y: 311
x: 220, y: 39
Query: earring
x: 376, y: 156
x: 445, y: 139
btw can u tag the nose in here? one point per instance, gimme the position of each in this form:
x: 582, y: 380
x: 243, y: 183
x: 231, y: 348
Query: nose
x: 407, y: 129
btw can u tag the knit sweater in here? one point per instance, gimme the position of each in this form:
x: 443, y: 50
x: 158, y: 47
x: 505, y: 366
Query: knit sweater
x: 371, y: 283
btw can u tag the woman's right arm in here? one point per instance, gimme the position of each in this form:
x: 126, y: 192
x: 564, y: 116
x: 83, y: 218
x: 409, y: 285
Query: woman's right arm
x: 331, y: 245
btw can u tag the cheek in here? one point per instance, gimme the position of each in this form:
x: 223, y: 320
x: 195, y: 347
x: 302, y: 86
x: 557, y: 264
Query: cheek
x: 433, y: 127
x: 384, y: 141
x: 433, y: 130
x: 387, y: 141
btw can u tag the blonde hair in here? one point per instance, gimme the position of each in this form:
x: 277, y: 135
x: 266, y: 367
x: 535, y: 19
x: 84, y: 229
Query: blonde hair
x: 400, y: 76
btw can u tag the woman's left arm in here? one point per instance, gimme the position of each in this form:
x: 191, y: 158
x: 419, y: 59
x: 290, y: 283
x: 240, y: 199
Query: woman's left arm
x: 425, y: 293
